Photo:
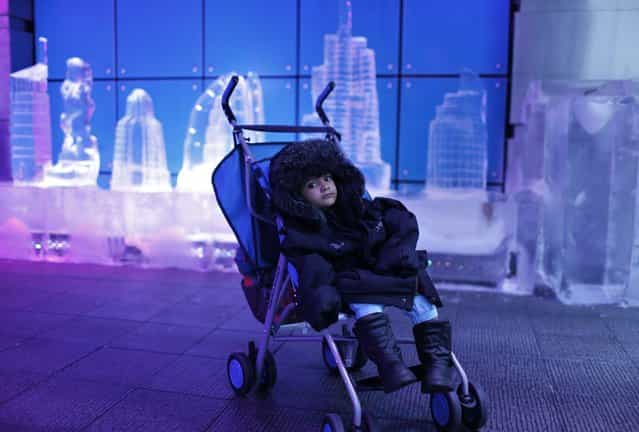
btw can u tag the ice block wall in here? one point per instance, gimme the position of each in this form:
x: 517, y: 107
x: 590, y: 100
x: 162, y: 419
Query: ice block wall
x: 5, y: 70
x: 589, y: 190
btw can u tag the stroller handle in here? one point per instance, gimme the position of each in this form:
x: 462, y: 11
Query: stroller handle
x: 320, y: 101
x: 225, y: 99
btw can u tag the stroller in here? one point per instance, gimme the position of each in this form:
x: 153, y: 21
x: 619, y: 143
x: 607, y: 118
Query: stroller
x: 269, y: 284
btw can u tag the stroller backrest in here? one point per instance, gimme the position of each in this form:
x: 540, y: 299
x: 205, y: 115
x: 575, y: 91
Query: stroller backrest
x: 258, y: 240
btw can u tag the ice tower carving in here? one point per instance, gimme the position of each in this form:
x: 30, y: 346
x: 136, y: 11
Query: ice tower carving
x: 209, y: 136
x: 353, y: 110
x: 79, y: 160
x: 30, y: 127
x: 458, y: 138
x: 140, y: 156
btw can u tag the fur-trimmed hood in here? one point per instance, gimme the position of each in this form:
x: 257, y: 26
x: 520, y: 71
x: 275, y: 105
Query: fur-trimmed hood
x: 297, y: 162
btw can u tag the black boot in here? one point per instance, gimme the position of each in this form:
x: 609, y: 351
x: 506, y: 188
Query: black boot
x: 376, y: 337
x: 433, y: 344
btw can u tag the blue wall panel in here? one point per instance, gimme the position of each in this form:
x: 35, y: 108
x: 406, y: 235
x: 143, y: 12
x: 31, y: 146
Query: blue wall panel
x: 279, y: 105
x: 173, y: 101
x: 77, y: 28
x: 420, y: 96
x: 192, y: 38
x: 102, y: 123
x: 376, y: 20
x: 250, y: 35
x: 162, y: 41
x: 387, y: 93
x: 22, y: 50
x: 444, y: 37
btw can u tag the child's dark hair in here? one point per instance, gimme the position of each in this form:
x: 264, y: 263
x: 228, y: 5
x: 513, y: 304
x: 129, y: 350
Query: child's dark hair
x: 296, y: 163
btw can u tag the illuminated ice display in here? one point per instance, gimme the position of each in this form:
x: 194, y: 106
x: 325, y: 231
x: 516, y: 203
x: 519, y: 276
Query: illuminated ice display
x: 140, y: 156
x: 79, y: 160
x: 209, y: 137
x: 353, y: 107
x: 587, y: 180
x: 30, y: 124
x: 458, y: 138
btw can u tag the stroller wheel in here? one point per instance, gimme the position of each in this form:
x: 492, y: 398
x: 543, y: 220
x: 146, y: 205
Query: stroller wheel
x: 368, y: 423
x: 358, y: 362
x: 446, y: 411
x: 269, y: 372
x: 240, y: 372
x: 332, y: 423
x: 474, y: 406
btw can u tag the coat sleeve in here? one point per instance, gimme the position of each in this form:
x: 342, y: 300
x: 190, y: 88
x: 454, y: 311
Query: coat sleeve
x: 397, y: 253
x: 319, y: 299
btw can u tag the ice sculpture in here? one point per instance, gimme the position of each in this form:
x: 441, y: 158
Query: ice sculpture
x: 79, y: 160
x: 30, y: 123
x: 353, y: 108
x: 525, y: 184
x: 458, y: 138
x: 140, y: 156
x: 590, y: 167
x: 209, y: 136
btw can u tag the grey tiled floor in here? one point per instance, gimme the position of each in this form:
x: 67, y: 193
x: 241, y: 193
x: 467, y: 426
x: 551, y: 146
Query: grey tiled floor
x: 88, y: 348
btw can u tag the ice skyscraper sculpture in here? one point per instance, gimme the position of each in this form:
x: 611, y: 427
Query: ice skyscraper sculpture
x: 140, y: 156
x: 353, y: 109
x: 458, y: 138
x: 30, y: 124
x: 209, y: 136
x: 79, y: 160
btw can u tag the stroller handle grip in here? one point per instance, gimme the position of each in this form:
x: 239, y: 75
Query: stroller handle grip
x: 225, y: 99
x: 320, y: 101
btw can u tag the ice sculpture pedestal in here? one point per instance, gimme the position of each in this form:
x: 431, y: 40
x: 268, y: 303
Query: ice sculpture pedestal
x: 465, y: 233
x: 91, y: 225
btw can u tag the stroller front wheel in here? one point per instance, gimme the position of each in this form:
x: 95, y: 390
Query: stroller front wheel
x: 446, y: 411
x: 241, y: 373
x: 332, y: 423
x: 474, y: 406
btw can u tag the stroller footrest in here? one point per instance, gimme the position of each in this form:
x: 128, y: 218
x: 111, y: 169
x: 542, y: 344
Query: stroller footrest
x: 374, y: 383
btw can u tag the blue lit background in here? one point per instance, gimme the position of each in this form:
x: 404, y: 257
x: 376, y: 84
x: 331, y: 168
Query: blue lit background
x: 174, y: 49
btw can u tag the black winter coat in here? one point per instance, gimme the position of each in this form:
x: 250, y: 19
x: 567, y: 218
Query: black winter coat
x: 358, y: 251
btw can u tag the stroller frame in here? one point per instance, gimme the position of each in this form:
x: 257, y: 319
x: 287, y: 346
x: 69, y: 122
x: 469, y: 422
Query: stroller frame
x: 469, y: 395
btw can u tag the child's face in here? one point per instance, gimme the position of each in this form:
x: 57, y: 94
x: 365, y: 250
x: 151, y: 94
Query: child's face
x: 320, y: 191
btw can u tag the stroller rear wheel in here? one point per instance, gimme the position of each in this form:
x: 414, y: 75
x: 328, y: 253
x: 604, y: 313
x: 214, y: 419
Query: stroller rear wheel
x: 358, y: 360
x: 241, y: 373
x: 269, y: 372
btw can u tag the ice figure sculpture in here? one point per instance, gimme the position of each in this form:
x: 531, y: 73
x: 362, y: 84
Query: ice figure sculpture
x: 353, y: 108
x: 79, y: 160
x: 458, y: 138
x: 590, y: 167
x: 30, y: 127
x: 209, y: 136
x: 140, y: 156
